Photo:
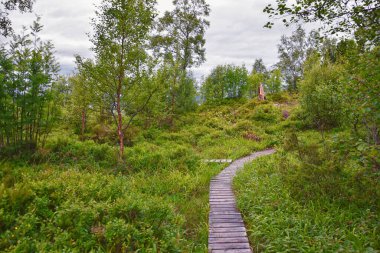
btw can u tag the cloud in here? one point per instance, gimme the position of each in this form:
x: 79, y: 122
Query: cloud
x: 236, y: 34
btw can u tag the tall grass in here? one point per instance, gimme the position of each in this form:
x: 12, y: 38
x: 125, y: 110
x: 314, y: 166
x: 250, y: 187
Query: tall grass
x: 287, y: 212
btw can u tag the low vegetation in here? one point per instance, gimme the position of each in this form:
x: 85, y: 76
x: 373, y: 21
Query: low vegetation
x: 309, y: 199
x: 74, y: 195
x: 111, y: 158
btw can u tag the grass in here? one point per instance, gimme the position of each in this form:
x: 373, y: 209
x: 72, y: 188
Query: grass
x: 291, y: 208
x: 50, y: 209
x: 73, y: 195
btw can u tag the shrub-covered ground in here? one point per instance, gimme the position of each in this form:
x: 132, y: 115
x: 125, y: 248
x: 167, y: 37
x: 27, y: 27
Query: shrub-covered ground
x: 73, y: 196
x: 310, y: 198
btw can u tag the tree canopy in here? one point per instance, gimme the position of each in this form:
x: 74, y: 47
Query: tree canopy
x: 225, y: 81
x: 11, y: 5
x: 359, y: 16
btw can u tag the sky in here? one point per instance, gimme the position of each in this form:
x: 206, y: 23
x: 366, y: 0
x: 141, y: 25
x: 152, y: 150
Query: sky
x: 236, y: 34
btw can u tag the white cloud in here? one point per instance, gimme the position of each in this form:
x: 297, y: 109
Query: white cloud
x: 236, y: 34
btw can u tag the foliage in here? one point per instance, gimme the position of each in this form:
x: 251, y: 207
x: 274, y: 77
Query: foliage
x: 175, y: 94
x: 84, y: 212
x: 266, y: 113
x: 274, y: 82
x: 293, y: 51
x: 363, y: 93
x: 322, y: 94
x: 180, y: 42
x: 254, y: 81
x: 259, y: 67
x: 181, y: 33
x: 318, y: 193
x: 80, y: 101
x: 225, y: 81
x: 74, y: 195
x: 338, y: 16
x: 278, y: 222
x: 28, y: 72
x: 186, y: 101
x: 122, y: 69
x: 11, y: 5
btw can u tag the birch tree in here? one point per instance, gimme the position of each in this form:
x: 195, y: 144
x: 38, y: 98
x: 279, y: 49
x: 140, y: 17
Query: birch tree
x: 121, y: 41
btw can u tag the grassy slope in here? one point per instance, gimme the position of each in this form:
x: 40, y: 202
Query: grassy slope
x: 315, y: 209
x: 72, y: 196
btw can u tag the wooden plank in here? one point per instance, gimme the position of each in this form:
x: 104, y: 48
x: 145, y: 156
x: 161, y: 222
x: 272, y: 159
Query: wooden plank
x: 228, y: 234
x: 218, y: 202
x: 215, y: 209
x: 229, y: 240
x: 223, y: 230
x: 221, y: 198
x: 231, y: 251
x: 221, y: 195
x: 222, y: 201
x: 230, y: 245
x: 227, y: 225
x: 223, y: 208
x: 225, y: 199
x: 225, y: 220
x: 225, y: 216
x: 224, y: 212
x: 222, y: 205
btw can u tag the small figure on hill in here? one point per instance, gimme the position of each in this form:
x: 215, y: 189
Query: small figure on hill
x: 261, y: 92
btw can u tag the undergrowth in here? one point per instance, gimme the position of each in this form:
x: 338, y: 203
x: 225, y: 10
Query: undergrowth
x: 310, y: 198
x: 73, y: 195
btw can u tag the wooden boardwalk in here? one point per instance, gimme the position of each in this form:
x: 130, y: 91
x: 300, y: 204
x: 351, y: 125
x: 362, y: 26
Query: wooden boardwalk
x: 226, y: 227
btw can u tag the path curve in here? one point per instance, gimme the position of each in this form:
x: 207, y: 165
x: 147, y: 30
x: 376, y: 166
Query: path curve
x: 226, y: 227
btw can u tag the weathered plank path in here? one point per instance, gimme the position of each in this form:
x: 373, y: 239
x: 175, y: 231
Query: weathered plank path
x: 226, y: 227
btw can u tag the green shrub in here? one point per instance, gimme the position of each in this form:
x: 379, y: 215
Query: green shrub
x: 322, y: 95
x: 78, y: 211
x: 152, y: 157
x: 86, y: 154
x: 266, y: 113
x: 280, y: 97
x: 276, y: 221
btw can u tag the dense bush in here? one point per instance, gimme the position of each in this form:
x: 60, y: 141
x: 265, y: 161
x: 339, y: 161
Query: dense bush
x: 314, y: 168
x: 153, y: 157
x: 266, y: 113
x: 283, y: 217
x: 225, y: 81
x: 322, y: 94
x: 85, y: 154
x: 311, y: 170
x: 76, y: 211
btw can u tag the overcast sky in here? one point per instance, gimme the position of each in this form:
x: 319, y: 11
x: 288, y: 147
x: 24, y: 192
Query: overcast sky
x: 236, y: 34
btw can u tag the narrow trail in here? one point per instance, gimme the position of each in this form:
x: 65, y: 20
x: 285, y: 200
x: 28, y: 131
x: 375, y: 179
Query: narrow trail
x: 227, y: 232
